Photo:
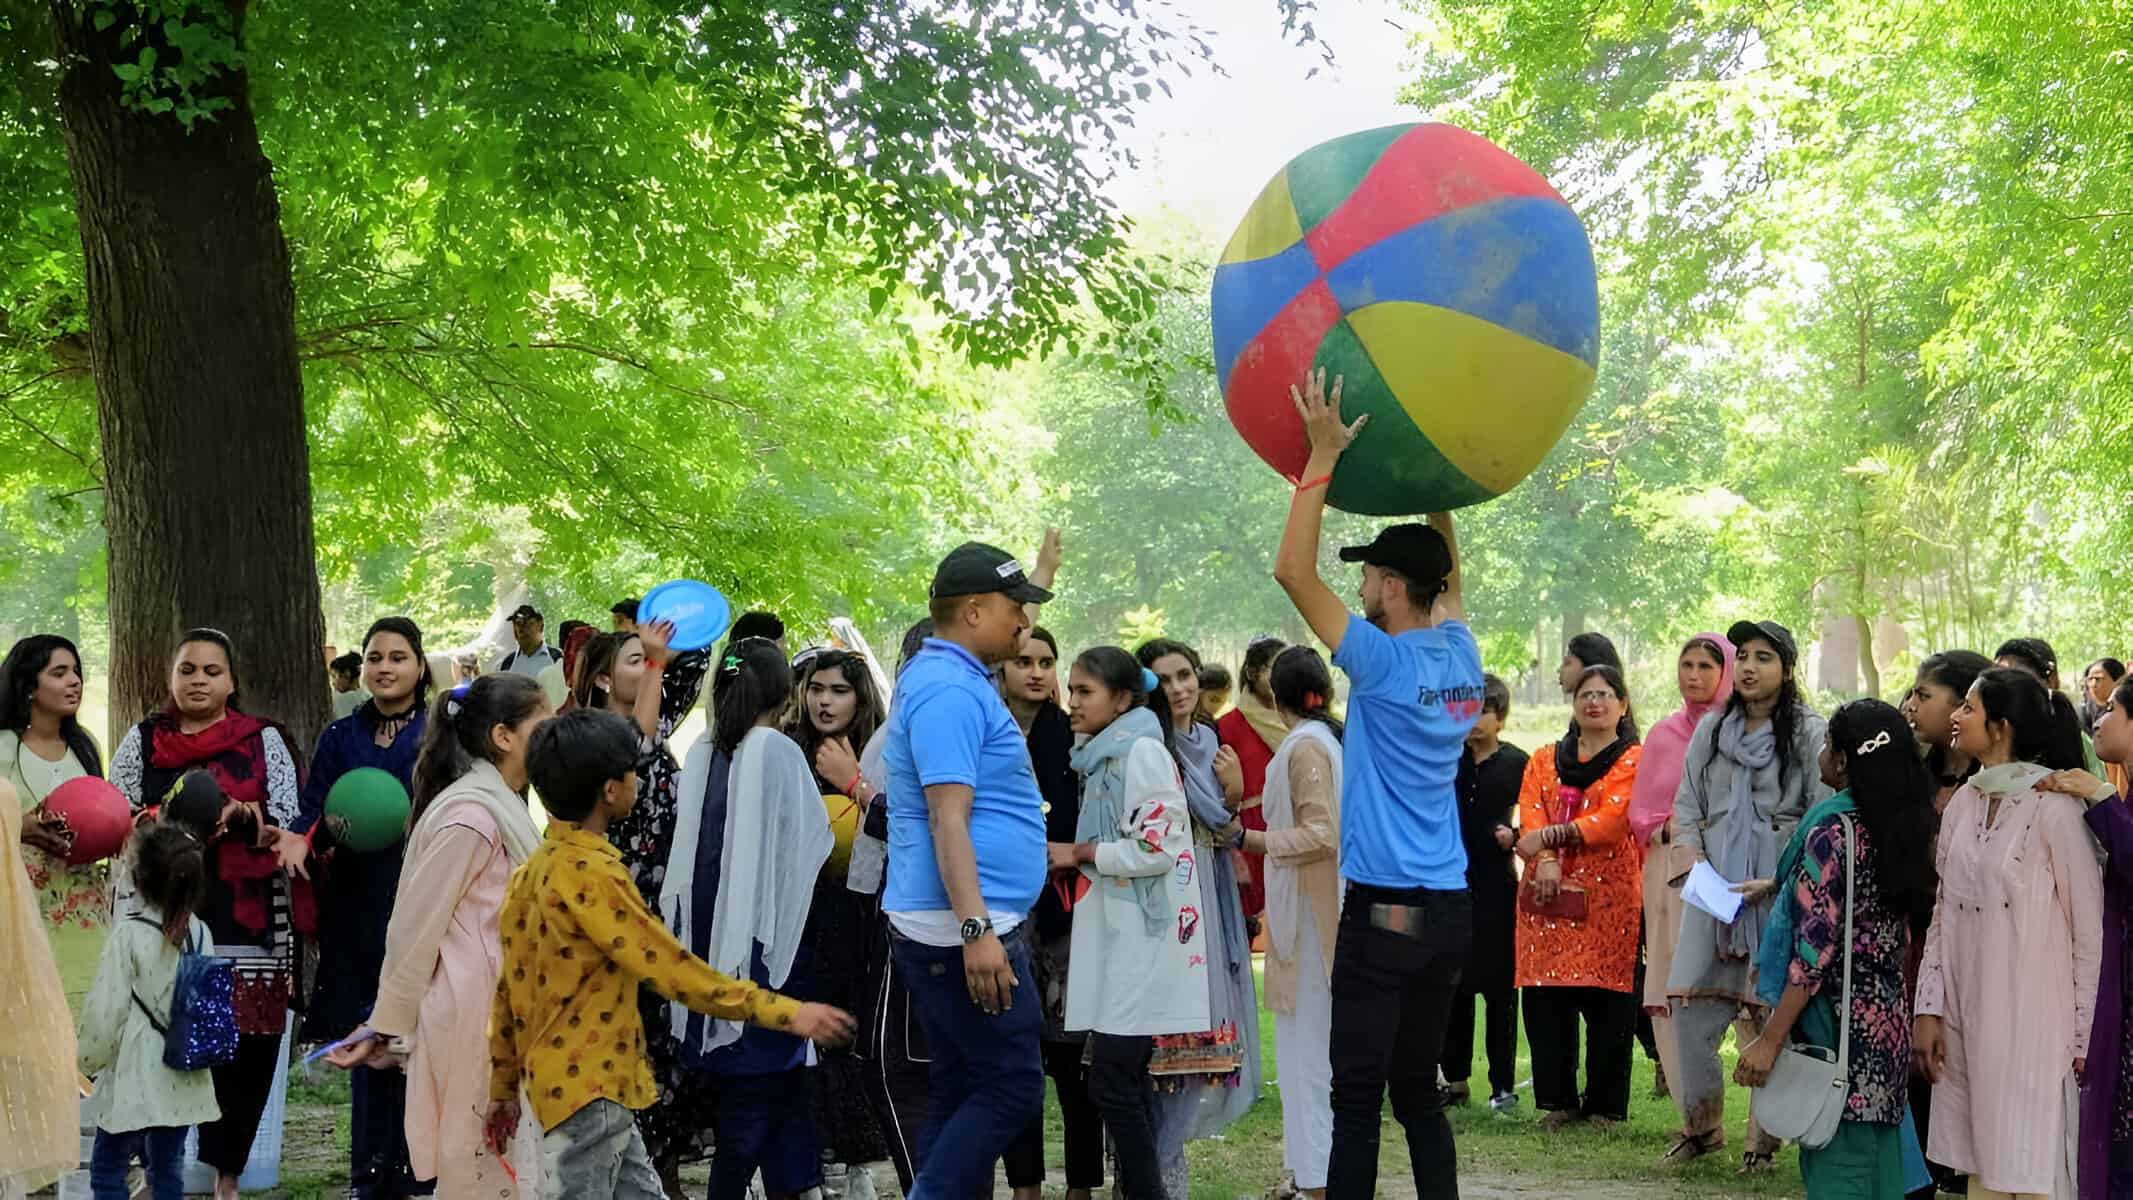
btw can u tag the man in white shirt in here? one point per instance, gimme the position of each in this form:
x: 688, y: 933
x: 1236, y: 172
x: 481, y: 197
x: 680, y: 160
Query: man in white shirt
x: 533, y: 654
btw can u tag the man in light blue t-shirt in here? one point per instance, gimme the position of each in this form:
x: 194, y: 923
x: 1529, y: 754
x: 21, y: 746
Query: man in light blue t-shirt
x: 1414, y: 689
x: 966, y: 863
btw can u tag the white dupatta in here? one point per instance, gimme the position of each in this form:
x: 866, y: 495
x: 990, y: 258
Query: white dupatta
x: 777, y: 838
x: 1284, y: 892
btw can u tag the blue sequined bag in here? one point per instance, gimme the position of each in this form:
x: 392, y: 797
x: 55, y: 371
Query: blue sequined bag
x: 202, y: 1030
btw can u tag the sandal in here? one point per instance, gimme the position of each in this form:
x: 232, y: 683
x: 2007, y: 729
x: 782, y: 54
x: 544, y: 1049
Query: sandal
x: 1555, y: 1120
x: 1757, y: 1162
x: 1688, y: 1147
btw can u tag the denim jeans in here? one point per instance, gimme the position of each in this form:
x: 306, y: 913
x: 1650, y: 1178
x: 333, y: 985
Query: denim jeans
x: 161, y: 1151
x: 1392, y: 994
x: 988, y: 1074
x: 597, y: 1154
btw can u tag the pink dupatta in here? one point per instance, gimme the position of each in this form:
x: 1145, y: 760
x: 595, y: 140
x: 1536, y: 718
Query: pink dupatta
x: 1666, y: 747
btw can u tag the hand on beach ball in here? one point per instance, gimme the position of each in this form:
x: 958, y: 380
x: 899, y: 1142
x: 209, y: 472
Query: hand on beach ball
x: 1444, y: 281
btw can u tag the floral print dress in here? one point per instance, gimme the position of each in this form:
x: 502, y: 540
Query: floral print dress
x: 69, y: 897
x: 1881, y: 1019
x: 678, y: 1126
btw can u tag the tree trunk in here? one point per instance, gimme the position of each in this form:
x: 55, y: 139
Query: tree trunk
x: 192, y: 339
x: 1869, y: 670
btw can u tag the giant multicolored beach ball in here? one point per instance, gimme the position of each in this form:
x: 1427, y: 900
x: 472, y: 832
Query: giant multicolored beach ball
x: 1448, y: 285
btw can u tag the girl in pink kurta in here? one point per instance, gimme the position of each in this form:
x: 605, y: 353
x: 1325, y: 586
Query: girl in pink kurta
x: 2007, y: 989
x: 442, y: 955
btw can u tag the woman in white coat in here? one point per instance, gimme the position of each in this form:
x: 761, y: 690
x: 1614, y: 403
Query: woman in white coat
x: 1303, y: 907
x: 1138, y: 949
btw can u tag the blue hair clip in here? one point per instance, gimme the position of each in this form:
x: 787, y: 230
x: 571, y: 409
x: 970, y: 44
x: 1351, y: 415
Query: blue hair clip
x: 1149, y: 683
x: 454, y: 699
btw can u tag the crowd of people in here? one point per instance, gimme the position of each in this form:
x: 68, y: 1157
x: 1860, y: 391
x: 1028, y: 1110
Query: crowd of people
x: 855, y: 923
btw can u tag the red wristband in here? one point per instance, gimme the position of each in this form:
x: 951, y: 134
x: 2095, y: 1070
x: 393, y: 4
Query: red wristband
x: 1306, y: 486
x: 852, y: 789
x: 653, y: 664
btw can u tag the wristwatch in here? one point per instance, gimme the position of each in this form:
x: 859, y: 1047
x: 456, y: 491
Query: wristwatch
x: 975, y: 928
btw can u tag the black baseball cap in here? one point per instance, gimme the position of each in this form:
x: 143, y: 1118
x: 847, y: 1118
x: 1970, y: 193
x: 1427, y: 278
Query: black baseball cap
x: 974, y: 568
x: 626, y: 608
x: 526, y: 612
x: 1777, y: 635
x: 1411, y: 548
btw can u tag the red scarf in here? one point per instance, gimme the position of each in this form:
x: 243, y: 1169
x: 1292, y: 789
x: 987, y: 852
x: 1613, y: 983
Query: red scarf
x: 214, y: 750
x: 232, y: 751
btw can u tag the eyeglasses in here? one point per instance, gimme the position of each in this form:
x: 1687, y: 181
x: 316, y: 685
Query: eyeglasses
x: 1595, y: 697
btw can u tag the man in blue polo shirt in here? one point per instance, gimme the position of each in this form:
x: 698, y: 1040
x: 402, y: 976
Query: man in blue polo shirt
x: 966, y: 863
x: 1414, y: 689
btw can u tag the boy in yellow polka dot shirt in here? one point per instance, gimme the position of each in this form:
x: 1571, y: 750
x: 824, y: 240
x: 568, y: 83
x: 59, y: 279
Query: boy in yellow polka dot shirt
x: 577, y: 942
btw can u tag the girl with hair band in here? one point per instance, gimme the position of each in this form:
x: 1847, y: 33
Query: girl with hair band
x: 1943, y: 681
x: 636, y: 675
x: 355, y: 893
x: 2007, y: 988
x: 1747, y: 779
x: 1703, y: 672
x: 43, y: 745
x: 1029, y: 683
x: 1301, y: 846
x: 2106, y: 1158
x: 471, y: 829
x: 1580, y: 908
x: 1138, y: 979
x: 1869, y: 841
x: 259, y: 891
x: 748, y: 850
x: 1220, y: 1075
x: 40, y: 1114
x: 838, y: 710
x: 1254, y: 730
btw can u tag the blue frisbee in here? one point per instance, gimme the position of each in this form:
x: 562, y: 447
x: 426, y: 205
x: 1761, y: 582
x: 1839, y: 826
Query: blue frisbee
x: 698, y: 612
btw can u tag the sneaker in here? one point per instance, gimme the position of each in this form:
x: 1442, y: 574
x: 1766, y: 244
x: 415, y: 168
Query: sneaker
x: 1503, y: 1102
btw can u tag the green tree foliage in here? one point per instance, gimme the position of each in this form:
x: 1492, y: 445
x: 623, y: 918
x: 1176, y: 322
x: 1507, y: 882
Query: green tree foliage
x: 1892, y: 245
x: 666, y: 279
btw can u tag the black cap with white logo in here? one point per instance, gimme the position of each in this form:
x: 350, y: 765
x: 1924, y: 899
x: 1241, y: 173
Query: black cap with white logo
x: 975, y: 568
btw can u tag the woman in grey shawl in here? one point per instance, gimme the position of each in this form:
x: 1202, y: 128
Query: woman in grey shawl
x: 1748, y: 778
x: 1209, y: 1100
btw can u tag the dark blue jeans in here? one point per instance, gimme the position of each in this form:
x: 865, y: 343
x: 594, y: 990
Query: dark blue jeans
x: 162, y: 1155
x: 988, y: 1072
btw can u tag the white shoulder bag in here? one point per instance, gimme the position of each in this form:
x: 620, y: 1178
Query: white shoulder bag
x: 1803, y: 1099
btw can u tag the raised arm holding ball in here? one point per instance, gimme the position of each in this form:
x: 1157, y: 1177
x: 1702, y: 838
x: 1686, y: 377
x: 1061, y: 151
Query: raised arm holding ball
x: 1415, y: 687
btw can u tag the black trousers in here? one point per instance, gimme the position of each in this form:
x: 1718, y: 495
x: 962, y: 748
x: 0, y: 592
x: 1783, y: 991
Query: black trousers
x: 899, y: 1081
x: 1499, y: 1037
x: 1119, y: 1084
x: 377, y: 1137
x: 1083, y: 1125
x: 1392, y: 993
x: 241, y: 1090
x: 1610, y: 1020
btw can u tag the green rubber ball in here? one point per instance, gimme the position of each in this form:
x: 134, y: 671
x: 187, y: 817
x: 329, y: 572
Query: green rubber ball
x: 367, y: 809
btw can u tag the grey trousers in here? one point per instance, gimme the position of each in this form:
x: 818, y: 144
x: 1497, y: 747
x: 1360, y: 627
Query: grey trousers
x: 597, y: 1154
x: 1699, y: 1083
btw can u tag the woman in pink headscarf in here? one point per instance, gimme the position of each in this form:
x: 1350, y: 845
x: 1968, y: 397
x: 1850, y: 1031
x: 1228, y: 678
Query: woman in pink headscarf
x: 1705, y: 674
